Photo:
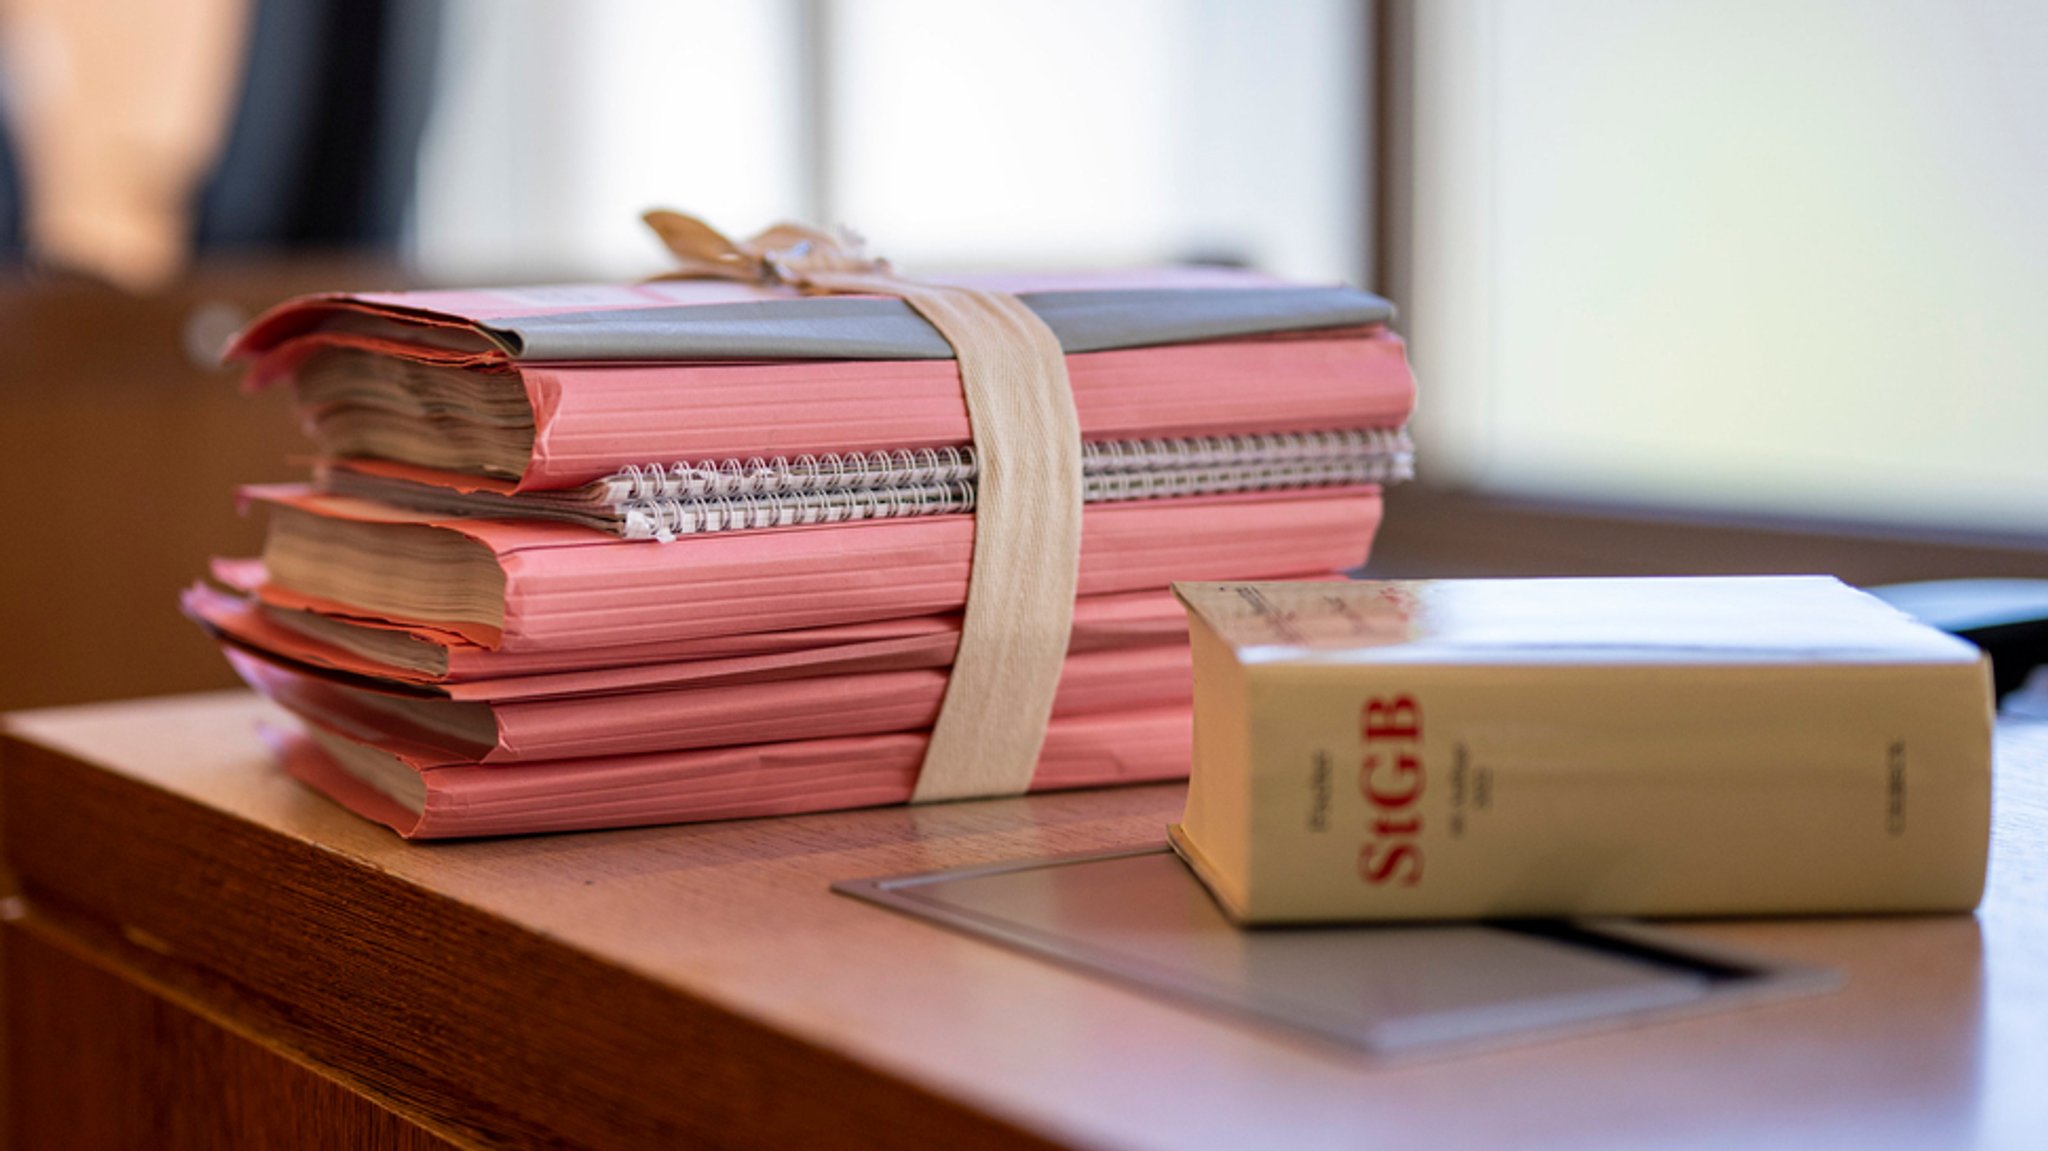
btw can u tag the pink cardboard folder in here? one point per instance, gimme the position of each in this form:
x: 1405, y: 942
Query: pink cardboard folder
x: 1101, y: 623
x: 577, y: 727
x: 595, y: 418
x: 721, y: 783
x: 622, y: 386
x: 569, y: 587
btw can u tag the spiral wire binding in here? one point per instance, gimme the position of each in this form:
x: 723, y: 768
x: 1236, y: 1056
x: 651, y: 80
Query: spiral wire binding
x: 824, y: 472
x: 667, y: 517
x: 818, y: 489
x: 872, y: 471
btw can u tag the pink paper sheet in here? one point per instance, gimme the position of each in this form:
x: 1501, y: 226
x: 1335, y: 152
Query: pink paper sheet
x: 568, y: 587
x: 814, y: 707
x: 729, y: 783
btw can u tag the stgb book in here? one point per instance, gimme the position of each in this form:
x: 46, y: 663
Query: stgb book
x: 1558, y: 747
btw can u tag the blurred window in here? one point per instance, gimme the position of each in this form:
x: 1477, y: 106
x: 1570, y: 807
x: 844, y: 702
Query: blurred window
x: 999, y: 132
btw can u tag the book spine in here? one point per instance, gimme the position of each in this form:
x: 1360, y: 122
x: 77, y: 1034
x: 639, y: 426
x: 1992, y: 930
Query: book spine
x: 1432, y: 792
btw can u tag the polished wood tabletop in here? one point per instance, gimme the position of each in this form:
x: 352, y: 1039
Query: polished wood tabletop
x: 658, y: 986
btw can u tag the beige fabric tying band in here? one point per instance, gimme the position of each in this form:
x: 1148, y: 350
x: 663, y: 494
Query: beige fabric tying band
x: 1027, y: 519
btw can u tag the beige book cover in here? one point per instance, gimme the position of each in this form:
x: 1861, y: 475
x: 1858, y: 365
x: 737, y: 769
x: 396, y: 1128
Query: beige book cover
x: 1673, y: 746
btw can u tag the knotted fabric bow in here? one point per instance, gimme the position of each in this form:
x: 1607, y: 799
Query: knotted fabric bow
x: 785, y: 253
x: 1027, y: 518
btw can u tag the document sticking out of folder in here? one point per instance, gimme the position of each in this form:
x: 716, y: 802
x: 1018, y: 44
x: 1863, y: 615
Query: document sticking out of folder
x: 1396, y: 992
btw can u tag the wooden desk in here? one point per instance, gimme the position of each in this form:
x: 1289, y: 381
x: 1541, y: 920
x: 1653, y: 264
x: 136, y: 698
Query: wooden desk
x: 201, y: 953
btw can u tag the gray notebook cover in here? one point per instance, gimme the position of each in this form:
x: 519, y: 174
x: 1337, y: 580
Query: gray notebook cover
x: 865, y: 328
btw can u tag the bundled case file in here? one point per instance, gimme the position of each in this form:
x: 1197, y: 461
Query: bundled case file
x: 1459, y: 749
x: 596, y: 556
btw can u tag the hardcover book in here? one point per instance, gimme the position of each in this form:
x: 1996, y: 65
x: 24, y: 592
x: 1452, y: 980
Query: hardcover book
x: 1498, y: 748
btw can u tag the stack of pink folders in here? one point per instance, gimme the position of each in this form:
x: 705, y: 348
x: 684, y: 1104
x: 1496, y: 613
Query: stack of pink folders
x: 602, y: 556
